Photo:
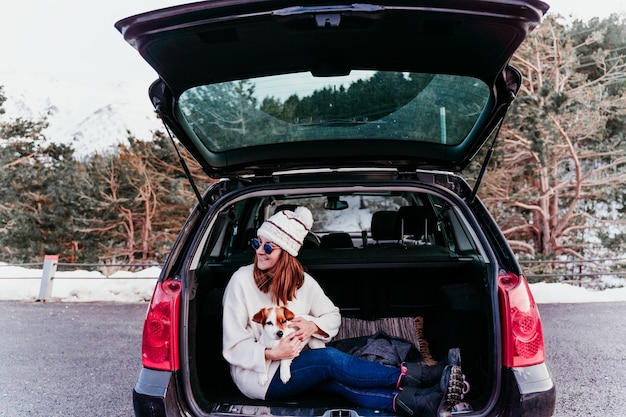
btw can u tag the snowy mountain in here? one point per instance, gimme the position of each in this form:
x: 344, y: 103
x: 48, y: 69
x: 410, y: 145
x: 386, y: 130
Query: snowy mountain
x: 92, y: 118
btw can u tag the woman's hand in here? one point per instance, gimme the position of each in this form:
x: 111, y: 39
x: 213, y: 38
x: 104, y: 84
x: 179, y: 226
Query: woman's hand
x: 288, y: 348
x: 305, y: 328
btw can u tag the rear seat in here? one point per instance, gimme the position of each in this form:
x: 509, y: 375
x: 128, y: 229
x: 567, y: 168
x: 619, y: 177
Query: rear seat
x: 384, y: 227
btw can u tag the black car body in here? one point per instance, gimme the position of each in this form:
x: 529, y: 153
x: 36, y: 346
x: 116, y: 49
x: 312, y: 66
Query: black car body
x: 365, y: 113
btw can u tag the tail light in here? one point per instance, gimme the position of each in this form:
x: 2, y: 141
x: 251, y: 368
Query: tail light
x: 159, y: 347
x: 522, y: 333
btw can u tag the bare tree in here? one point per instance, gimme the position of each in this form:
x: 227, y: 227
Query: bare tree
x: 556, y: 156
x: 142, y: 201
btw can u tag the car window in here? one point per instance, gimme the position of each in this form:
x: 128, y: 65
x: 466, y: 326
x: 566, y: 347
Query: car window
x: 355, y: 215
x: 438, y: 223
x: 363, y: 105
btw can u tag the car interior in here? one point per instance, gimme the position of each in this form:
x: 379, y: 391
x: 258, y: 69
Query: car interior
x: 413, y: 262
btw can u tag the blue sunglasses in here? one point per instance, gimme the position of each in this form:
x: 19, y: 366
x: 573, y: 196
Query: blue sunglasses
x: 256, y: 244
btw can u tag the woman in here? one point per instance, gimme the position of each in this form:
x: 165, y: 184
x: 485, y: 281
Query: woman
x: 277, y: 279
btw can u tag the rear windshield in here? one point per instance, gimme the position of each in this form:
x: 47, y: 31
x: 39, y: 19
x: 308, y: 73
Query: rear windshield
x: 363, y: 105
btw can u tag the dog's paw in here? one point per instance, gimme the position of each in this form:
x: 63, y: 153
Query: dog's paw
x: 285, y: 374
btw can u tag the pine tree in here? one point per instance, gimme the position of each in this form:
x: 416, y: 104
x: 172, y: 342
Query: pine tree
x: 38, y: 205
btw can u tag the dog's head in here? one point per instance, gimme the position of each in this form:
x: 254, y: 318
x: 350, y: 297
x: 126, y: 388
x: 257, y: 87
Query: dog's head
x: 275, y: 321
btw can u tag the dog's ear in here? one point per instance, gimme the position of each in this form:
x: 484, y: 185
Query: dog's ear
x: 259, y: 317
x: 288, y: 313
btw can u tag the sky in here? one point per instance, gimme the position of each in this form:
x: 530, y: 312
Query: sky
x: 76, y: 40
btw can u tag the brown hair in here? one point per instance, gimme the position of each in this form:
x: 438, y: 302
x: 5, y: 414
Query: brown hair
x: 281, y: 281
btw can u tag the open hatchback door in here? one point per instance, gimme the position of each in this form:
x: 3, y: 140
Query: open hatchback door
x: 259, y: 86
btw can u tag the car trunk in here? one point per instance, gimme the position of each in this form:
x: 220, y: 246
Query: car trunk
x: 436, y: 297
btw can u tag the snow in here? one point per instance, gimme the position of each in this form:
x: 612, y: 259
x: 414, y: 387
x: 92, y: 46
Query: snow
x: 19, y: 283
x: 90, y: 118
x: 545, y: 293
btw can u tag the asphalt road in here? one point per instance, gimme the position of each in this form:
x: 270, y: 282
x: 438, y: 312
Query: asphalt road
x: 69, y: 359
x: 586, y: 346
x: 81, y: 359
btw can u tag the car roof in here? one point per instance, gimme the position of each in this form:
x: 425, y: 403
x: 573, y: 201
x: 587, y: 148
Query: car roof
x: 434, y: 80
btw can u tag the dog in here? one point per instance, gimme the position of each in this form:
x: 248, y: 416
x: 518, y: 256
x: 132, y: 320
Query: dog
x: 275, y: 322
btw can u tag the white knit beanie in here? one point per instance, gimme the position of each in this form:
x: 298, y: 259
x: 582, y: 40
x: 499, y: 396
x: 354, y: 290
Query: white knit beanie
x: 287, y: 228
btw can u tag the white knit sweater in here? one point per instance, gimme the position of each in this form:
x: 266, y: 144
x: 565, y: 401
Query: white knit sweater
x: 242, y: 299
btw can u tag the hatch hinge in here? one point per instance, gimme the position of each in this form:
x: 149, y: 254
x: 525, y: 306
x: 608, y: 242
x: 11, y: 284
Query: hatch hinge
x: 485, y: 163
x: 202, y: 205
x: 321, y: 10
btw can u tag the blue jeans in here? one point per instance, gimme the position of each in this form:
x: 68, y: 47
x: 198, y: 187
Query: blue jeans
x: 365, y: 383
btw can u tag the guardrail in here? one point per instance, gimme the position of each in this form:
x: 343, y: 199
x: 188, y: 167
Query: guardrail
x: 574, y: 271
x: 51, y: 264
